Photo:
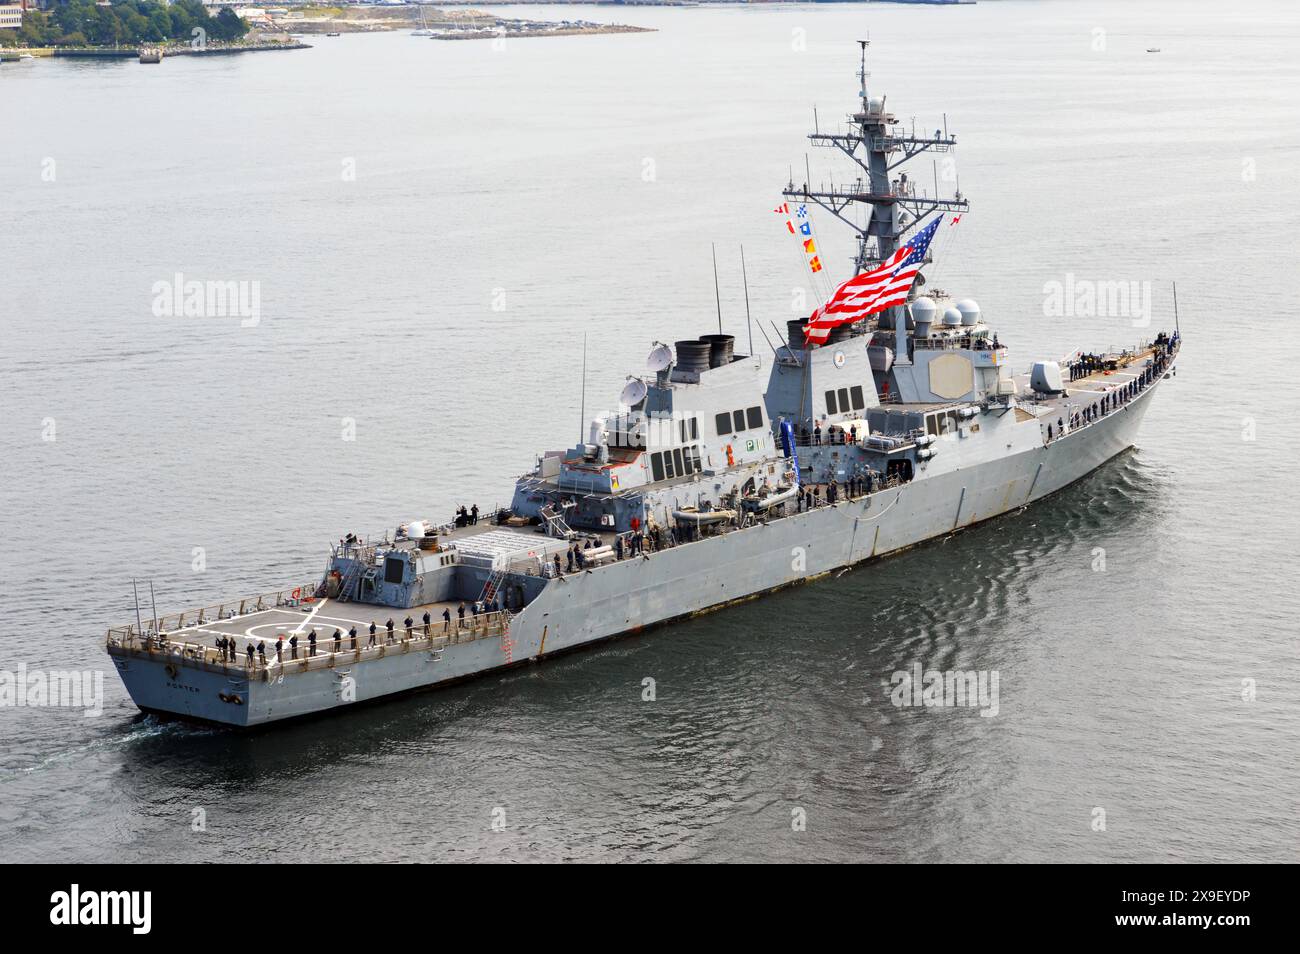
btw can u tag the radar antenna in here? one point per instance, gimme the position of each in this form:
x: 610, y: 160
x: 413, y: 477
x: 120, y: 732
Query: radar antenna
x: 878, y: 143
x: 862, y: 70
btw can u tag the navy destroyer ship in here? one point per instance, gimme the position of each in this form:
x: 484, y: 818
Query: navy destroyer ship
x: 888, y: 417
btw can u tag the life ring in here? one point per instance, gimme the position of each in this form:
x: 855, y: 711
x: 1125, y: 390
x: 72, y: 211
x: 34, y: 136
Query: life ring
x: 297, y: 592
x: 731, y: 461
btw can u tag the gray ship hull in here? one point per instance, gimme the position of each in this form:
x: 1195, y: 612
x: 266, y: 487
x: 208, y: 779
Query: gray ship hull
x: 635, y: 593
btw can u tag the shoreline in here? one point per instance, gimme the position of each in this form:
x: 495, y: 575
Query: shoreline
x: 285, y: 32
x: 132, y: 52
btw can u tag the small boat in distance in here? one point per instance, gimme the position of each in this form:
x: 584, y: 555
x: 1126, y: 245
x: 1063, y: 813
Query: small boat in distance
x: 1153, y: 49
x: 424, y: 27
x: 334, y: 34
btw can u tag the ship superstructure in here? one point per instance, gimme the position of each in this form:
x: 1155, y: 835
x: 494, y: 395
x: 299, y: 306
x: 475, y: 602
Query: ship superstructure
x: 900, y: 427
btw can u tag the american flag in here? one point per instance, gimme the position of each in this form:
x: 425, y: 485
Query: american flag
x: 871, y: 292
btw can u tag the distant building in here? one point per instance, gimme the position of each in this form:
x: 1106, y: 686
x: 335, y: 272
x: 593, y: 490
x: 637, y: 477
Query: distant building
x: 11, y: 16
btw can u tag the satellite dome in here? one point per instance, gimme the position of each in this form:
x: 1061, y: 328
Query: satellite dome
x: 951, y: 316
x: 923, y: 310
x: 875, y: 104
x: 970, y: 312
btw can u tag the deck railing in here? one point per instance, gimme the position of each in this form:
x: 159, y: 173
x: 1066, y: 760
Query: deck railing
x: 231, y: 609
x: 200, y: 656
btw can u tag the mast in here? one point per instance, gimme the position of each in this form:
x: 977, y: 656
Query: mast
x: 749, y: 322
x: 717, y: 292
x: 582, y: 414
x: 879, y: 144
x: 1178, y: 331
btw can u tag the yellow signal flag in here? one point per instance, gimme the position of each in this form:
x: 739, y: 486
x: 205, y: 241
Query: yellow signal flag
x: 809, y: 247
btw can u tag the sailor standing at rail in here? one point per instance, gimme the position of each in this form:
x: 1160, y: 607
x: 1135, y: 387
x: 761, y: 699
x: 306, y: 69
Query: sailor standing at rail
x: 427, y: 619
x: 293, y: 646
x: 372, y: 634
x: 352, y: 633
x: 446, y: 613
x: 261, y: 652
x: 338, y: 639
x: 279, y: 649
x: 311, y: 642
x: 389, y: 627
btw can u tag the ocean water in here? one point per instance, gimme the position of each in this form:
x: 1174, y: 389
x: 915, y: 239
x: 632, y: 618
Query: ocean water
x: 433, y: 230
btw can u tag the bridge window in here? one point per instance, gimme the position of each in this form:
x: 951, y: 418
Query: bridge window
x: 657, y: 466
x: 723, y: 422
x: 669, y: 473
x: 844, y: 399
x: 855, y: 393
x: 755, y: 415
x: 693, y: 458
x: 831, y: 406
x: 677, y: 459
x: 739, y: 419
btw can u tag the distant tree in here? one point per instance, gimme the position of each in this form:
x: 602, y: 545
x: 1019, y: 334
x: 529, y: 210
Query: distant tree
x: 229, y: 25
x: 83, y: 23
x: 160, y: 24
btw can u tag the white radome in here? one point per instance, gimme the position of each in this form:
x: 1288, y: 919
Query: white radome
x: 923, y: 310
x: 970, y: 311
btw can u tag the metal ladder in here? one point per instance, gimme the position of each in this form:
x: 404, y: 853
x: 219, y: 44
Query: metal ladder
x: 350, y: 582
x: 492, y: 587
x: 555, y: 525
